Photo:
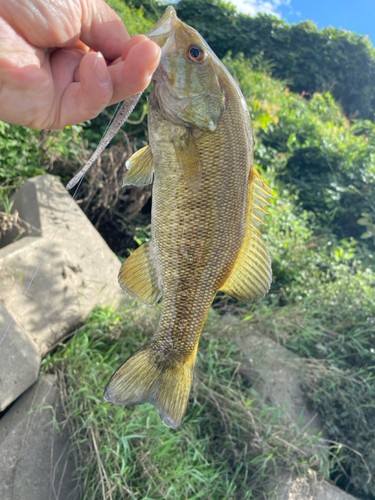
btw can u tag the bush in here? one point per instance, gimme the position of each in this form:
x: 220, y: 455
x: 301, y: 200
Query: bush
x: 322, y: 300
x: 27, y: 152
x: 307, y: 59
x: 133, y: 18
x: 310, y: 149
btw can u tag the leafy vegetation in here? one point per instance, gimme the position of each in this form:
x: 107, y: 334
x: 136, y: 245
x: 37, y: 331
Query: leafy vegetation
x: 308, y: 59
x: 25, y: 152
x: 321, y: 234
x: 310, y: 149
x: 322, y: 301
x: 133, y: 18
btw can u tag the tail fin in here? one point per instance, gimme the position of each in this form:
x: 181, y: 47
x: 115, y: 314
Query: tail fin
x: 166, y: 384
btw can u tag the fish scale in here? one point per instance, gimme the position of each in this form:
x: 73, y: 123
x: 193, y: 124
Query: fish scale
x: 207, y: 205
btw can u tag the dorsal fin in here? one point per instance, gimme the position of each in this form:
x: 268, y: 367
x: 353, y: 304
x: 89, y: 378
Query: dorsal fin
x: 251, y: 275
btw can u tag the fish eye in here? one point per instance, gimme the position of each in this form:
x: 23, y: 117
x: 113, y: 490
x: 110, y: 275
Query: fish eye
x: 196, y: 53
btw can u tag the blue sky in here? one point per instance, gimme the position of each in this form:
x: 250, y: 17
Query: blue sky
x: 358, y: 16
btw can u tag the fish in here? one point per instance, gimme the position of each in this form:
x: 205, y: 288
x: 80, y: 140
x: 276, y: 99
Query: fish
x: 208, y: 203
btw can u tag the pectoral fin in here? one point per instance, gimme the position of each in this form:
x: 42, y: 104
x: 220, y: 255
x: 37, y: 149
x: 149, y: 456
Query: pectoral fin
x: 140, y: 168
x: 251, y: 275
x: 138, y: 276
x: 188, y: 158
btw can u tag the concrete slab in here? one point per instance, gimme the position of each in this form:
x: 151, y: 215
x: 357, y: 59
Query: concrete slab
x: 36, y: 456
x: 79, y: 271
x: 19, y: 360
x: 276, y: 374
x: 309, y: 488
x: 273, y: 371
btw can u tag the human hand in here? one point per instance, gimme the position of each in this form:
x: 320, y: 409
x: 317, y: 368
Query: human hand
x: 48, y: 76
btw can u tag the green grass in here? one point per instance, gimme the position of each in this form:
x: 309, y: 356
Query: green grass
x: 229, y: 446
x: 334, y: 331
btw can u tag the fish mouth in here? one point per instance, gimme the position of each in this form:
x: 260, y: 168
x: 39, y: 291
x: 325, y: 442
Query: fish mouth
x: 160, y: 32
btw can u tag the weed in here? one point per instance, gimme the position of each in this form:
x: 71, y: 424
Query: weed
x: 229, y: 445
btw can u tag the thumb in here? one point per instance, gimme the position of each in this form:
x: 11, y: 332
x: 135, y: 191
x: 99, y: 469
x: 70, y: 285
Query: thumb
x: 85, y: 99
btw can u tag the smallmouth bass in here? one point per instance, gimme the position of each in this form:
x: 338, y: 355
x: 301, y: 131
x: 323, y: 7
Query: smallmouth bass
x: 207, y: 204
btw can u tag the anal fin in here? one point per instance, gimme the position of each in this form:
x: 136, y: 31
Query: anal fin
x: 140, y: 168
x: 251, y: 275
x: 138, y: 276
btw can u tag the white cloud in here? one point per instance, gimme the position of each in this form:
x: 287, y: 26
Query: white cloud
x: 253, y: 7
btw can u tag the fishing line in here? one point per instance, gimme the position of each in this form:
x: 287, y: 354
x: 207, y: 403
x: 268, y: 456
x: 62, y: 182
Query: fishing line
x: 154, y: 8
x: 40, y: 264
x: 53, y: 236
x: 115, y: 113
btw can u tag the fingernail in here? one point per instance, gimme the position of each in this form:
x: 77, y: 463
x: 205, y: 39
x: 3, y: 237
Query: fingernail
x: 100, y: 68
x: 154, y: 67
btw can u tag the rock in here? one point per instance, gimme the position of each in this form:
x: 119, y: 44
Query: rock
x: 274, y: 372
x: 308, y: 488
x: 36, y: 456
x: 276, y: 375
x: 78, y: 273
x: 19, y: 360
